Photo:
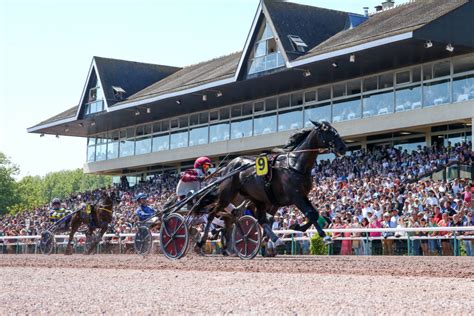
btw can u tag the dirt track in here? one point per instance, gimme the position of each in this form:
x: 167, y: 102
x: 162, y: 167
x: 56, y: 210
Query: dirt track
x: 297, y: 285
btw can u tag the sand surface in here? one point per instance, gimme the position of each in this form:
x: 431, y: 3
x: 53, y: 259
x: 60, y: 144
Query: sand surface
x: 119, y: 284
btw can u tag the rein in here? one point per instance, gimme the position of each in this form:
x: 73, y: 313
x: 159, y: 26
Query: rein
x: 107, y: 210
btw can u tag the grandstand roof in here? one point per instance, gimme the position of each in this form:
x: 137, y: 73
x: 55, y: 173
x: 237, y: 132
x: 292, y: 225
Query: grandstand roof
x: 324, y: 31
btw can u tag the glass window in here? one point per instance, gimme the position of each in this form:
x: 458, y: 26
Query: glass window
x: 339, y: 90
x: 271, y: 47
x: 198, y: 136
x: 324, y: 93
x: 353, y: 87
x: 247, y: 109
x: 403, y: 77
x: 261, y: 49
x: 463, y: 64
x: 297, y: 99
x: 408, y: 98
x: 156, y: 127
x: 165, y: 125
x: 441, y: 69
x: 320, y: 112
x: 386, y: 81
x: 214, y: 115
x: 290, y: 120
x: 112, y: 149
x: 270, y: 104
x: 101, y: 149
x: 271, y: 61
x: 435, y: 93
x: 428, y: 72
x: 174, y: 123
x: 346, y: 110
x: 241, y: 128
x: 91, y: 149
x: 416, y: 74
x: 370, y: 84
x: 283, y: 101
x: 237, y: 110
x: 219, y: 132
x: 463, y: 88
x: 127, y: 144
x: 183, y: 121
x: 179, y: 139
x: 194, y: 119
x: 203, y: 117
x: 161, y: 142
x: 264, y: 124
x: 310, y: 96
x: 113, y: 145
x: 267, y: 32
x: 259, y: 106
x: 224, y: 113
x: 143, y: 145
x: 378, y: 104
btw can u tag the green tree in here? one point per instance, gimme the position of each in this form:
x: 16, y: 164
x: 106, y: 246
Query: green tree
x: 8, y: 195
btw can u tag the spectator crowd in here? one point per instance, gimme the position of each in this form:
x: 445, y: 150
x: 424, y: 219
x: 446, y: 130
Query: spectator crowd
x: 383, y: 187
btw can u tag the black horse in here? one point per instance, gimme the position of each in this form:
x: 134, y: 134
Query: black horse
x: 96, y: 216
x: 288, y: 183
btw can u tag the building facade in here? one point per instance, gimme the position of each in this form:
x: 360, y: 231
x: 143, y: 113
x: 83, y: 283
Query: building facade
x: 403, y: 76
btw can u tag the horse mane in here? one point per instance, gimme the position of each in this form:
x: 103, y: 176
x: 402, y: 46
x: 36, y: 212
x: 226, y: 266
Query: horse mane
x: 297, y: 138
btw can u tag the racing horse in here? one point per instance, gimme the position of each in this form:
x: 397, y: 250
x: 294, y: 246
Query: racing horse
x: 95, y: 216
x: 288, y: 182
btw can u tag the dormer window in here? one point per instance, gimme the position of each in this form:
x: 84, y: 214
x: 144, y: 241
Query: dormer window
x: 92, y: 94
x: 265, y: 54
x: 118, y: 92
x: 298, y: 44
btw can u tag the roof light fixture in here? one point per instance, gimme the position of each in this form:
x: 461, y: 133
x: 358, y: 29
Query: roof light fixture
x: 450, y: 48
x: 204, y: 97
x: 137, y: 113
x: 81, y: 125
x: 148, y: 110
x: 306, y: 72
x: 219, y: 94
x: 335, y: 65
x: 352, y: 58
x: 66, y: 129
x: 428, y: 44
x: 92, y: 123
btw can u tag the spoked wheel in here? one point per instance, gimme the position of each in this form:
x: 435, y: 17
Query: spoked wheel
x: 143, y: 241
x: 47, y: 242
x: 247, y: 237
x: 174, y: 236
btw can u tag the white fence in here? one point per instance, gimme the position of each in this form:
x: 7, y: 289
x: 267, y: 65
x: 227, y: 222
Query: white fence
x: 456, y: 234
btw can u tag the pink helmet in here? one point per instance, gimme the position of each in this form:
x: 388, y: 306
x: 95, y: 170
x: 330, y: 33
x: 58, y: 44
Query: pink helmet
x: 201, y: 161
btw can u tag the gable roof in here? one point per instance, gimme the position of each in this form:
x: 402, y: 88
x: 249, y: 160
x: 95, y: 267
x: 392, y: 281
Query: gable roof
x: 131, y: 76
x: 312, y: 24
x: 68, y: 114
x: 398, y: 20
x: 191, y: 76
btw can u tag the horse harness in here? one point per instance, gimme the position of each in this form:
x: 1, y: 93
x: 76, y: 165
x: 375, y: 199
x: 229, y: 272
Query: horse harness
x: 271, y: 165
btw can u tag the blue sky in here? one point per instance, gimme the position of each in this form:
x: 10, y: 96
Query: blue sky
x: 46, y: 47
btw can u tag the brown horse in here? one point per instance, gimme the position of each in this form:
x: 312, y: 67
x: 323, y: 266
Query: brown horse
x: 97, y: 217
x: 289, y: 182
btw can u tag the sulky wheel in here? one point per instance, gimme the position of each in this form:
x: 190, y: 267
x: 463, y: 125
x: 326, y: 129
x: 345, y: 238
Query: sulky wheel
x: 47, y: 243
x: 143, y: 241
x: 247, y: 237
x: 174, y: 236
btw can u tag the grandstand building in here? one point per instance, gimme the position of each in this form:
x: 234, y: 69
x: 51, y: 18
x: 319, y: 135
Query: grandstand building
x: 402, y: 76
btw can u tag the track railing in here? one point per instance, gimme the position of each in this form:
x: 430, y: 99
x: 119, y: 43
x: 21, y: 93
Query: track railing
x: 25, y: 244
